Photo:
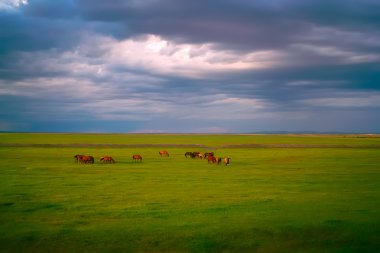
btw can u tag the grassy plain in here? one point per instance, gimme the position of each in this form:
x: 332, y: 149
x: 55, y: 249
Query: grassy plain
x: 320, y: 199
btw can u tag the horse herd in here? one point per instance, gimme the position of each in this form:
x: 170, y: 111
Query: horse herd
x: 210, y: 156
x: 87, y: 159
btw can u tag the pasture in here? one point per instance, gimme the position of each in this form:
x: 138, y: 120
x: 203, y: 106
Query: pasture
x: 281, y: 193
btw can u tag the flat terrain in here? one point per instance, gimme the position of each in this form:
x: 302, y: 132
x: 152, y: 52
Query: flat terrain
x: 281, y: 193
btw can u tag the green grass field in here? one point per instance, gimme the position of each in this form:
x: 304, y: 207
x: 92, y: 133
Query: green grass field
x: 304, y: 199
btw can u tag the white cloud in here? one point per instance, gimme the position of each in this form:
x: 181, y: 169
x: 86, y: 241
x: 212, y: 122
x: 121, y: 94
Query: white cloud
x: 104, y: 65
x: 251, y: 102
x: 99, y: 56
x: 158, y: 55
x: 12, y: 4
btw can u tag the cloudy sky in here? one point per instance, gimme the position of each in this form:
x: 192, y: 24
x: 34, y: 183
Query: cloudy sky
x: 235, y: 66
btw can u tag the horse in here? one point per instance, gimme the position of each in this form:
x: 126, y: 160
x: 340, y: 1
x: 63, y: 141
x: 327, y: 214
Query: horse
x: 218, y: 160
x: 164, y: 153
x: 137, y: 158
x: 211, y: 158
x: 227, y: 161
x: 107, y: 159
x: 196, y: 154
x: 86, y: 159
x: 206, y: 155
x: 77, y: 158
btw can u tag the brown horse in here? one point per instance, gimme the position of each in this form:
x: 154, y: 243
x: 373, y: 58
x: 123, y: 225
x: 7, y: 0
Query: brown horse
x: 218, y: 160
x: 137, y: 158
x: 85, y: 159
x: 107, y: 159
x: 211, y: 159
x: 77, y: 158
x: 164, y: 153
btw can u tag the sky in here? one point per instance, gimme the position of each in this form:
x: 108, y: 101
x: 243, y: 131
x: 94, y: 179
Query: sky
x: 184, y: 66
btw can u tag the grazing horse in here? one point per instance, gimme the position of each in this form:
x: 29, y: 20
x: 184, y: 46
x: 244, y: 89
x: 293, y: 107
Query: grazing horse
x: 164, y: 153
x: 206, y: 155
x: 107, y: 159
x: 227, y: 161
x: 196, y: 154
x: 188, y: 154
x: 77, y: 158
x: 218, y: 160
x: 211, y: 158
x: 137, y: 158
x: 86, y: 159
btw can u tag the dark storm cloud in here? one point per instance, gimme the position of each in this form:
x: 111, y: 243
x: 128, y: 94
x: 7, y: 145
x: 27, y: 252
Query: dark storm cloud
x: 348, y: 14
x: 31, y: 33
x: 190, y: 64
x: 250, y: 24
x: 58, y: 9
x: 243, y: 25
x: 254, y: 24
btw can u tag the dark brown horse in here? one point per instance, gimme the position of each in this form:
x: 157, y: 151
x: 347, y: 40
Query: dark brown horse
x: 137, y: 158
x: 107, y: 159
x: 218, y: 160
x: 163, y: 153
